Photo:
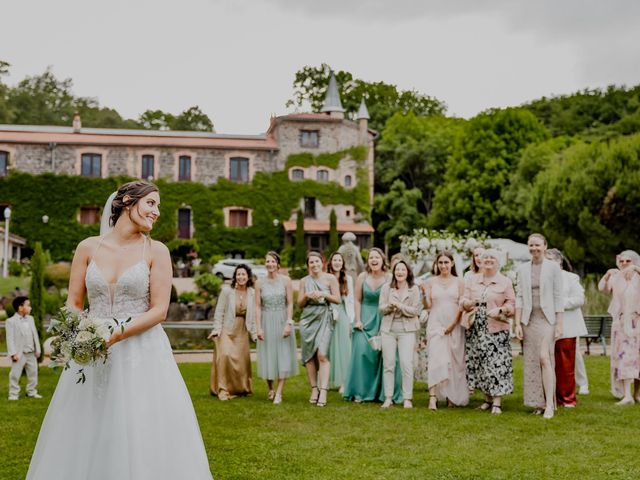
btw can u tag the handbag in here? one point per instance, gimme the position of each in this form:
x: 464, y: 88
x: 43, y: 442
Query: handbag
x: 375, y: 342
x: 469, y: 318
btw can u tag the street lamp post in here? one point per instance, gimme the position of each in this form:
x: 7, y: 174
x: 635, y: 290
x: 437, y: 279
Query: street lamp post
x: 5, y: 263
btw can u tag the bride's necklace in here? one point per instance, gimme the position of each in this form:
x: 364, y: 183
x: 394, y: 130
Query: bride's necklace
x: 241, y: 294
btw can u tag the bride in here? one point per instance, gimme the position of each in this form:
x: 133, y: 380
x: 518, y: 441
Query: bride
x: 133, y: 418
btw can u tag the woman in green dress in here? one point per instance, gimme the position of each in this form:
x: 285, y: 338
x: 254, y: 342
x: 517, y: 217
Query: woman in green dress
x: 364, y: 381
x: 276, y: 346
x: 343, y: 314
x: 317, y: 291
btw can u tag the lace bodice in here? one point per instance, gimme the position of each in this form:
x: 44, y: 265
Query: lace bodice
x: 273, y: 294
x: 129, y: 296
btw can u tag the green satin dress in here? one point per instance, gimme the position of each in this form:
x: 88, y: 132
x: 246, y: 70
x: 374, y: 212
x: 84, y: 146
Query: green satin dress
x: 364, y: 380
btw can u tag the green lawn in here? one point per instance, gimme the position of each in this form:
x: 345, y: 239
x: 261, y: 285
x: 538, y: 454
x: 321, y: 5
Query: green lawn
x: 8, y: 285
x: 251, y: 438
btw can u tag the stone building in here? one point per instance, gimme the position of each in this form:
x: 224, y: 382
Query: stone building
x: 207, y: 157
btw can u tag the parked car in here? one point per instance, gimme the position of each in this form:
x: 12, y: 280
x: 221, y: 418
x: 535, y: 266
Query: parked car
x: 224, y: 268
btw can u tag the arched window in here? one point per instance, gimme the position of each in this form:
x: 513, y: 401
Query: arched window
x: 322, y: 175
x: 347, y: 181
x: 297, y: 174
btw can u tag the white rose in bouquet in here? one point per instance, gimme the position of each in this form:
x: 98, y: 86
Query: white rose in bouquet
x: 84, y: 336
x: 86, y: 323
x: 104, y: 332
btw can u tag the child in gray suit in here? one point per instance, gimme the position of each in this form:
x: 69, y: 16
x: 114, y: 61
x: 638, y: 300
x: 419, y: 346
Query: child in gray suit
x: 23, y: 345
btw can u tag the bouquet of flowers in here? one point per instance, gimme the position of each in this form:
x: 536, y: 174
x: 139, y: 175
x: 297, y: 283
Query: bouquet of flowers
x: 79, y: 338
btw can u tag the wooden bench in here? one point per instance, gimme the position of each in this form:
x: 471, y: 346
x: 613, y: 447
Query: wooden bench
x: 599, y: 329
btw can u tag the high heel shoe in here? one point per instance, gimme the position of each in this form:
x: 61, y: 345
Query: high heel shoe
x: 271, y: 395
x: 433, y: 403
x: 277, y: 399
x: 322, y: 402
x: 315, y: 393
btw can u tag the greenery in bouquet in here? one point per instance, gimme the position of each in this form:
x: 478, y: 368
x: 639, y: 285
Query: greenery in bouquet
x: 79, y: 338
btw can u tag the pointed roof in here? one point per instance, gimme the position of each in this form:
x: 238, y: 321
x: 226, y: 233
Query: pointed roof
x: 363, y: 113
x: 332, y: 101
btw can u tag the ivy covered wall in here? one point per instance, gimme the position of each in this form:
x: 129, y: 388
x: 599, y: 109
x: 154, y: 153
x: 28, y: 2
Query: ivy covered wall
x: 271, y: 196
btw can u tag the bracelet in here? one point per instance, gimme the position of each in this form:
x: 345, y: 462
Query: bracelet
x: 290, y: 322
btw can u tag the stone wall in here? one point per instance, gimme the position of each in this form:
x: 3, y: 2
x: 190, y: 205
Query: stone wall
x: 333, y: 136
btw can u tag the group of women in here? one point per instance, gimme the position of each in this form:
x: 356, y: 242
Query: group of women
x: 364, y: 339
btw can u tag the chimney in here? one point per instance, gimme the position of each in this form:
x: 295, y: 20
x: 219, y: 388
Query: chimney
x: 77, y: 123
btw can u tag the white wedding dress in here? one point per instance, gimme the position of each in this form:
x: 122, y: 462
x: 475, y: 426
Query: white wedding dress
x: 133, y: 419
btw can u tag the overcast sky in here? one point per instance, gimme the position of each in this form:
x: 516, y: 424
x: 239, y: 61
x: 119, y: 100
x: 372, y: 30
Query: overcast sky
x: 236, y: 58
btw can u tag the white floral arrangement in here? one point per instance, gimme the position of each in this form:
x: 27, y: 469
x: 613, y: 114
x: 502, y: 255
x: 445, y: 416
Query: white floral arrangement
x: 79, y: 338
x: 423, y: 246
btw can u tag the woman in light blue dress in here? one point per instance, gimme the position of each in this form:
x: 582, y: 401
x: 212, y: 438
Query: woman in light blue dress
x: 276, y: 346
x: 364, y: 380
x: 318, y: 291
x: 344, y: 313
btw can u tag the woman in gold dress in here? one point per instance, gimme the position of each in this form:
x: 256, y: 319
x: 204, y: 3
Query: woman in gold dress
x: 233, y: 319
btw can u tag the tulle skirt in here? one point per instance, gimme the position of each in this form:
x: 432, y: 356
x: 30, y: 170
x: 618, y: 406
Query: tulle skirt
x: 131, y: 420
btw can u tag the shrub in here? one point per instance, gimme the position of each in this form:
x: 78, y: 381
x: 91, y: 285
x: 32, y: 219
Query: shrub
x: 57, y: 275
x: 209, y: 283
x: 187, y: 297
x: 16, y: 269
x: 53, y: 301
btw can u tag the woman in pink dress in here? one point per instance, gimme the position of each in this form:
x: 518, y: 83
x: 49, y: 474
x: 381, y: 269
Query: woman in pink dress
x: 445, y: 336
x: 624, y: 285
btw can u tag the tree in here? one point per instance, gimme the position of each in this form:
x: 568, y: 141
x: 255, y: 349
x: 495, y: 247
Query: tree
x: 192, y: 119
x: 516, y: 198
x: 334, y: 242
x: 590, y: 112
x: 300, y: 253
x: 587, y: 201
x: 383, y: 100
x: 479, y: 169
x: 5, y: 112
x: 156, y: 120
x: 399, y: 207
x: 43, y: 100
x: 36, y: 291
x: 415, y: 149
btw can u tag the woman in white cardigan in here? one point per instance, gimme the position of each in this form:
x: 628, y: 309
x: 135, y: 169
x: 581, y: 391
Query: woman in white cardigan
x: 233, y: 321
x: 573, y: 326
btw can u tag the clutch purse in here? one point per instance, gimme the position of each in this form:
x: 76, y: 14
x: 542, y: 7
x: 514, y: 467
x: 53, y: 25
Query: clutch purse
x: 375, y: 342
x: 469, y: 318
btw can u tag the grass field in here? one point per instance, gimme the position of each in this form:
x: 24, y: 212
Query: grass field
x: 251, y: 438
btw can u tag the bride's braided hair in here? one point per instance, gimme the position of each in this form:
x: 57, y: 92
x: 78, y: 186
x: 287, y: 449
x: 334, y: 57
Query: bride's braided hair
x: 135, y: 191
